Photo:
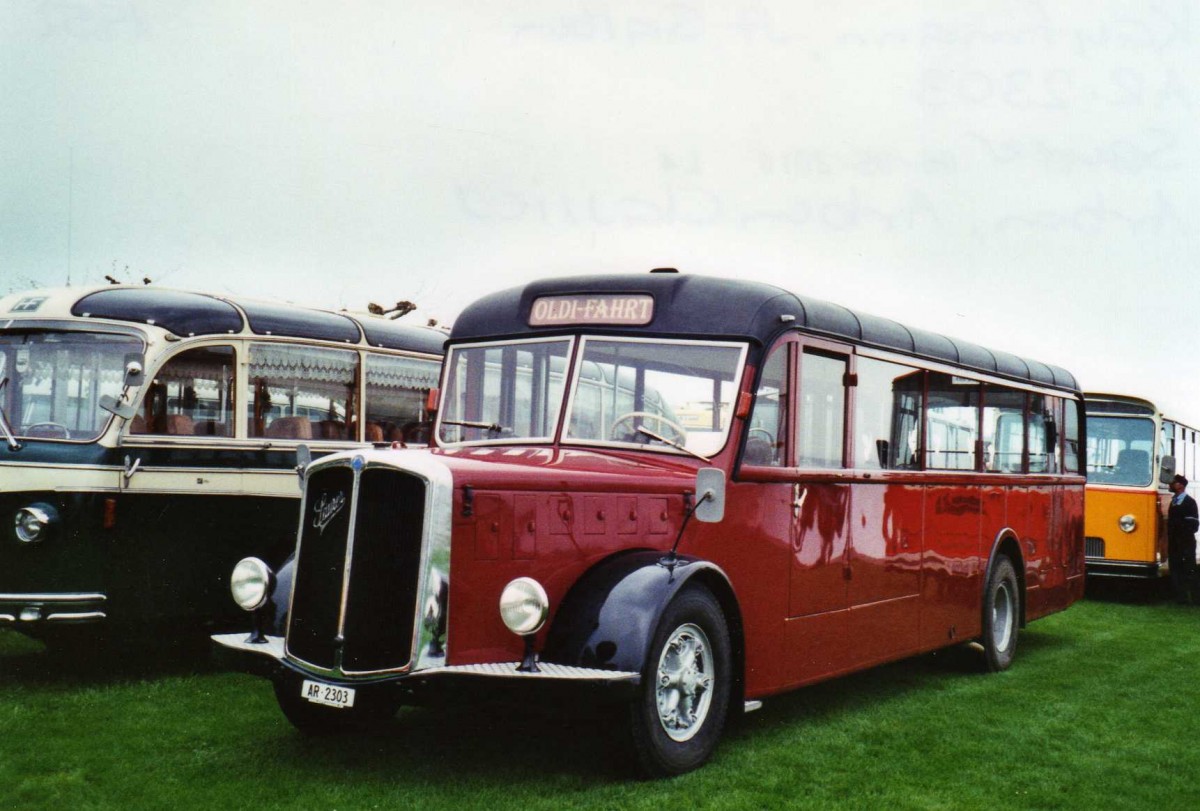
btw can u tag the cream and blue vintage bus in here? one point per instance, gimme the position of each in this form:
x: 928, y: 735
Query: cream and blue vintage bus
x: 149, y: 439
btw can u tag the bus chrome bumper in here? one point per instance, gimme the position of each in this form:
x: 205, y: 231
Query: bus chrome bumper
x: 1139, y: 570
x: 255, y: 655
x: 58, y: 608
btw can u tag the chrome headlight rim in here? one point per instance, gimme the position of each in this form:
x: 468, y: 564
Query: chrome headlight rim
x: 1127, y: 523
x: 524, y: 606
x: 33, y: 523
x: 250, y: 583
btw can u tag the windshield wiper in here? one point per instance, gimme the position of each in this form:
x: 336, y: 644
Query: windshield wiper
x: 13, y: 444
x: 493, y: 428
x: 641, y: 429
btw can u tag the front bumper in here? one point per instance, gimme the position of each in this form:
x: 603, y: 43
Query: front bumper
x: 1135, y: 570
x: 26, y: 611
x: 269, y: 658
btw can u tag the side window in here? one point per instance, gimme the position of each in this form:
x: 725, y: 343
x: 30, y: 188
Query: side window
x: 766, y: 438
x: 1003, y: 429
x: 821, y: 437
x: 951, y: 422
x: 191, y: 395
x: 887, y: 415
x: 301, y: 392
x: 397, y: 388
x: 1071, y: 436
x: 1044, y: 451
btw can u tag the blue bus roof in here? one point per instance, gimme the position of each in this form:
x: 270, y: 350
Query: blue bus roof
x: 187, y: 314
x: 714, y: 308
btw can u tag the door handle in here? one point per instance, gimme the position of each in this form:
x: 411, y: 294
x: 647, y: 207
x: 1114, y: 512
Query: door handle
x: 131, y: 468
x: 799, y: 494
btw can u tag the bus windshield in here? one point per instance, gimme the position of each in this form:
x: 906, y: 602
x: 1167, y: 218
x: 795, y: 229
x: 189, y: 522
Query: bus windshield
x: 658, y: 393
x: 1120, y: 450
x: 663, y: 394
x: 56, y: 379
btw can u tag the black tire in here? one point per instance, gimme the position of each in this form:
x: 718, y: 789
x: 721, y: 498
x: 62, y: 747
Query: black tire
x: 371, y: 712
x: 1001, y: 616
x: 666, y: 742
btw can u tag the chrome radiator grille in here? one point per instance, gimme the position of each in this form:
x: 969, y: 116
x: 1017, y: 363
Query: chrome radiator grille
x: 355, y: 596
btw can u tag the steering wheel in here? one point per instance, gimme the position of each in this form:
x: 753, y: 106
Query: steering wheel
x: 770, y: 438
x: 680, y: 433
x: 57, y: 426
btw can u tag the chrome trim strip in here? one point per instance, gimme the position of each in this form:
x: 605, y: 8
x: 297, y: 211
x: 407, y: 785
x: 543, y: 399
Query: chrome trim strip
x: 78, y: 617
x: 67, y: 597
x: 348, y: 560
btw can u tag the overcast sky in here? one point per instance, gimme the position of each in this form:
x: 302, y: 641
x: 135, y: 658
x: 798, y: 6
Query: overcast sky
x: 1019, y: 174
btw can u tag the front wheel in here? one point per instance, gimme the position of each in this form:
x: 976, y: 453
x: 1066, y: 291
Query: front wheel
x: 1001, y: 616
x: 679, y: 712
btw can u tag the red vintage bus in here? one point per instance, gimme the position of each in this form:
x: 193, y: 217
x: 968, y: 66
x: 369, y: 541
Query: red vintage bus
x: 687, y: 493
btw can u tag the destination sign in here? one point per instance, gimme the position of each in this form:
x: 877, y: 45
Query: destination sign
x: 633, y: 310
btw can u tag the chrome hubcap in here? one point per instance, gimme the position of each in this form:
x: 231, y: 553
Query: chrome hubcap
x: 1002, y: 617
x: 684, y: 681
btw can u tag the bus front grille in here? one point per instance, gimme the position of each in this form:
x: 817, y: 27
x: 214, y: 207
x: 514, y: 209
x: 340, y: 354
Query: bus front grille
x: 363, y: 622
x: 1093, y: 547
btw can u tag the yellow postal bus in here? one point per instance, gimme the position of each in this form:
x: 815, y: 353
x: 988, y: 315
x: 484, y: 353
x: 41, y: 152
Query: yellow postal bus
x: 1133, y: 452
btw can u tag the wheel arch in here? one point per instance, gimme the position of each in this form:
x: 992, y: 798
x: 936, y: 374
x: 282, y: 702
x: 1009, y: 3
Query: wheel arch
x: 608, y: 617
x: 1006, y: 543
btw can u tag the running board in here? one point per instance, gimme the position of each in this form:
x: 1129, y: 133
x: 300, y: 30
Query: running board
x: 751, y: 706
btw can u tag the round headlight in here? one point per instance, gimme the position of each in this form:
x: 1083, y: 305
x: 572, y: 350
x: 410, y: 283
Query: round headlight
x: 250, y: 583
x: 1127, y: 523
x: 32, y: 523
x: 524, y: 606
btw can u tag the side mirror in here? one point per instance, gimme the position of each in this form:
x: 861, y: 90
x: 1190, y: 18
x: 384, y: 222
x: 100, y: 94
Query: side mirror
x: 112, y: 405
x: 135, y: 365
x: 1166, y: 469
x: 710, y: 495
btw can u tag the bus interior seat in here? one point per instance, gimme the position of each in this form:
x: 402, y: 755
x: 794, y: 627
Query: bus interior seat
x: 290, y: 428
x: 137, y: 425
x: 331, y: 429
x: 210, y: 428
x: 179, y: 425
x: 1132, y: 462
x: 416, y: 433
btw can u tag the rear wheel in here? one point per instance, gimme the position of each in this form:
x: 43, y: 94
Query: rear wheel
x: 679, y: 712
x: 1001, y: 615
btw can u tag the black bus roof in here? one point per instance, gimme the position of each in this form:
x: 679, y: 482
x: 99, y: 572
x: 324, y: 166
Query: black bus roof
x: 715, y: 309
x: 189, y: 314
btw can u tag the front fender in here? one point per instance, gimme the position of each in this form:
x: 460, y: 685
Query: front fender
x: 281, y: 598
x: 608, y: 617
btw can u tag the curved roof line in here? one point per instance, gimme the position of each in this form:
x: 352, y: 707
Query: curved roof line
x: 714, y: 308
x: 186, y: 314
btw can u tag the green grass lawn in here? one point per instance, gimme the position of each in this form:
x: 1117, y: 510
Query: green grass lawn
x: 1098, y: 711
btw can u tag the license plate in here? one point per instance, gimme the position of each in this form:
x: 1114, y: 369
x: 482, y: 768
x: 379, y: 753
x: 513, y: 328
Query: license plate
x: 327, y: 694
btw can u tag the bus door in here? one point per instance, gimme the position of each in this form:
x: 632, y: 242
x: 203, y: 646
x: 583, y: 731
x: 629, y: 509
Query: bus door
x: 952, y: 570
x: 181, y: 488
x: 821, y: 493
x: 887, y: 526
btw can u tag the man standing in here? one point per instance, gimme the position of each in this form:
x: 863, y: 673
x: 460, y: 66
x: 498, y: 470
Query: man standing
x: 1182, y: 522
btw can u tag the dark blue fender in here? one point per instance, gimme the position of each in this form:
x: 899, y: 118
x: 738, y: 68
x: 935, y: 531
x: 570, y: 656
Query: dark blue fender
x: 608, y: 617
x: 276, y: 609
